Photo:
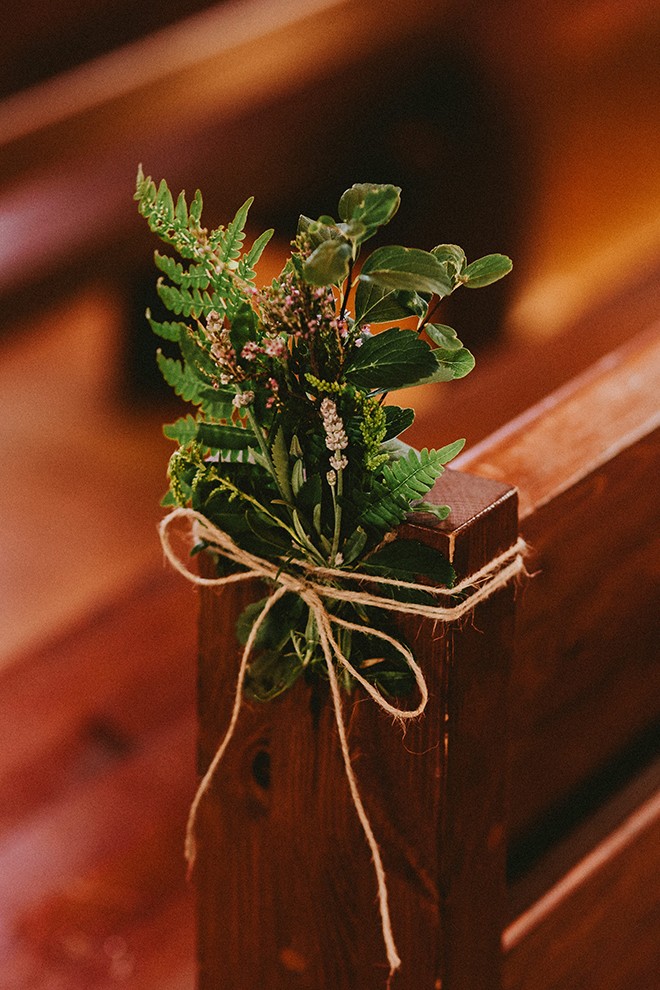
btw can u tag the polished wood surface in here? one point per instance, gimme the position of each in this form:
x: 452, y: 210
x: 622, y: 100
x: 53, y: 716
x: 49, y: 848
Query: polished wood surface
x: 97, y: 741
x: 586, y: 679
x: 282, y: 861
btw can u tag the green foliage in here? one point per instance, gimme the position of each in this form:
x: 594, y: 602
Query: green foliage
x: 292, y: 450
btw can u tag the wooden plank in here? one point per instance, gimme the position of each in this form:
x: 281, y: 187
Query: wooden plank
x: 69, y: 147
x: 282, y: 861
x: 597, y: 928
x: 96, y: 777
x: 585, y: 682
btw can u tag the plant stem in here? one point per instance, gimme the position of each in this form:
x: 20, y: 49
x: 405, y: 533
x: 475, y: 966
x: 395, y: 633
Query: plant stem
x: 346, y: 293
x: 337, y: 507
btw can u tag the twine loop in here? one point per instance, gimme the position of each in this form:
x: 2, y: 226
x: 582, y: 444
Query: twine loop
x: 311, y: 584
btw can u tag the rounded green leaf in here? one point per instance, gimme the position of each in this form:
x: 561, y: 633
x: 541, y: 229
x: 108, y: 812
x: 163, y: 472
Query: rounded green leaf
x: 487, y: 270
x: 389, y: 360
x: 406, y: 268
x: 371, y: 204
x: 443, y: 336
x: 328, y: 264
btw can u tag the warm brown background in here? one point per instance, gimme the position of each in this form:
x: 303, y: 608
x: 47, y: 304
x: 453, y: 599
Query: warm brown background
x: 529, y: 129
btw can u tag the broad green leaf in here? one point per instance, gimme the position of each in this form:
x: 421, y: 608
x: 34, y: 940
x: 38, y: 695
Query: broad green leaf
x: 443, y: 336
x: 271, y: 674
x: 297, y: 477
x: 317, y: 231
x: 370, y: 204
x: 396, y: 421
x: 487, y: 270
x: 449, y: 365
x: 390, y: 360
x: 452, y: 254
x: 406, y: 268
x: 374, y: 304
x: 328, y: 264
x: 410, y: 559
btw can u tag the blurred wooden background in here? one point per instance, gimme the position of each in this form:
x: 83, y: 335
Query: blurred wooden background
x: 532, y: 131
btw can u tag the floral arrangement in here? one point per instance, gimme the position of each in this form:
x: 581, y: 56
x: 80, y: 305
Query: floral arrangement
x: 293, y: 450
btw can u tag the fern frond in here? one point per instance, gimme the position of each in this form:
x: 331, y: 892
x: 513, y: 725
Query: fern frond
x: 167, y: 330
x: 247, y: 262
x: 196, y: 276
x: 181, y: 378
x: 182, y: 430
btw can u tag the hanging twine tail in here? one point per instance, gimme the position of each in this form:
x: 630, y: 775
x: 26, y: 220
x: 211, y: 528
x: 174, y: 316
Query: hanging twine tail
x: 383, y: 901
x: 312, y: 588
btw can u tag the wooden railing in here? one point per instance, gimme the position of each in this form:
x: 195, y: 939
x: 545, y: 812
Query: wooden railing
x: 286, y: 889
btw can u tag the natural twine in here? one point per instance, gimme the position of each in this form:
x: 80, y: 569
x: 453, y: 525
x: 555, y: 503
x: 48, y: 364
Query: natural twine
x: 311, y: 588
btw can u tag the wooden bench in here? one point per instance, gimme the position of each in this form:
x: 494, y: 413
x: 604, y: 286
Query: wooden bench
x: 517, y: 819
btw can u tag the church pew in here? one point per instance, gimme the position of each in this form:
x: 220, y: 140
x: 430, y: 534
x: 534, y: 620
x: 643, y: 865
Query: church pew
x: 286, y: 891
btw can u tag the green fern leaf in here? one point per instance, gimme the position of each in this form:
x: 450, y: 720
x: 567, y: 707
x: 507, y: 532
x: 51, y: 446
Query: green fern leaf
x: 183, y: 430
x: 247, y: 263
x: 180, y: 377
x: 195, y: 276
x: 167, y: 330
x: 413, y: 476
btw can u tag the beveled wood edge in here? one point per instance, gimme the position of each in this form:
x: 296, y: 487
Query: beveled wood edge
x: 205, y: 40
x: 572, y: 447
x: 618, y: 823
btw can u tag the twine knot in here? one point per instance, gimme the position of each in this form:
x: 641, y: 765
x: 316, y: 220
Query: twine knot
x: 311, y: 584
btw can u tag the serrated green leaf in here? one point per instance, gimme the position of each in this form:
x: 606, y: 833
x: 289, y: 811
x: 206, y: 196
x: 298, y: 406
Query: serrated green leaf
x: 406, y: 268
x: 180, y: 377
x: 413, y: 476
x: 390, y: 360
x: 181, y: 210
x: 257, y: 249
x: 165, y: 201
x: 166, y: 330
x: 439, y: 511
x: 328, y: 264
x: 196, y: 206
x: 182, y: 430
x: 487, y: 270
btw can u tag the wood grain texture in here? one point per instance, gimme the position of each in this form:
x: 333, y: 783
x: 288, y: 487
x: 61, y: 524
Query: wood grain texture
x: 286, y: 888
x: 586, y: 681
x: 95, y: 782
x: 597, y: 928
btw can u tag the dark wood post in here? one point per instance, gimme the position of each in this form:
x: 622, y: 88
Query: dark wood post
x: 286, y: 888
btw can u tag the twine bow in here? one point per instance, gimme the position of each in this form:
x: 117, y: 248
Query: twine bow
x: 308, y: 582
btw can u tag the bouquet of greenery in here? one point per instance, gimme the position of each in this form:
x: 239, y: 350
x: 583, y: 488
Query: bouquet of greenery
x: 293, y: 451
